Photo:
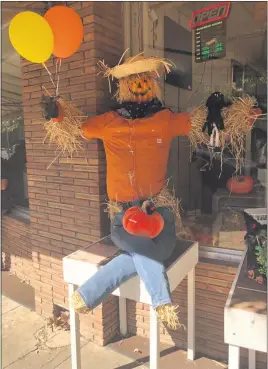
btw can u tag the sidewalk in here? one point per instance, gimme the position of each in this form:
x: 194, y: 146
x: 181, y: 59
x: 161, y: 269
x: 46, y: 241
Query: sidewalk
x: 28, y: 344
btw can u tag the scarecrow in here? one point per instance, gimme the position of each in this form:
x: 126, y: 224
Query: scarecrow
x: 136, y: 134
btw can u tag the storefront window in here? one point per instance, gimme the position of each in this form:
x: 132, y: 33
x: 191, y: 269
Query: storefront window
x: 212, y: 214
x: 13, y: 154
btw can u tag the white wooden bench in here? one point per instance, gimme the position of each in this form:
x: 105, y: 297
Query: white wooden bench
x: 245, y: 318
x: 81, y: 265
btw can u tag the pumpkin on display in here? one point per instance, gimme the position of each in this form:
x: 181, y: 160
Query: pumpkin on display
x: 137, y: 223
x: 240, y: 185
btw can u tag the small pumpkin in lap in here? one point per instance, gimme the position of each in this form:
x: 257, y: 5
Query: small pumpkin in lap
x: 139, y: 223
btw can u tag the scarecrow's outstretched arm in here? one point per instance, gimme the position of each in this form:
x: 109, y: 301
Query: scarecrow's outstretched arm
x: 91, y: 128
x: 94, y: 127
x: 180, y: 124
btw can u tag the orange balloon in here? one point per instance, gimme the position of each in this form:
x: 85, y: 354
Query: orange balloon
x: 67, y: 28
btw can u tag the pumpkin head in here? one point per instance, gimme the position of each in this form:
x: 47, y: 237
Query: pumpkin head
x: 137, y: 223
x: 138, y: 77
x: 139, y: 88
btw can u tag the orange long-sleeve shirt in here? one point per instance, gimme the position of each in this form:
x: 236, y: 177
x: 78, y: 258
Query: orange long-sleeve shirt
x: 136, y: 151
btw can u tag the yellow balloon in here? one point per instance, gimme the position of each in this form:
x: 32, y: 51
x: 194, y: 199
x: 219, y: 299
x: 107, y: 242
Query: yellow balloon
x: 31, y: 36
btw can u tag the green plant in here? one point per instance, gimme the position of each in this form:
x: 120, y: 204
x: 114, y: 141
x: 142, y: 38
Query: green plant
x: 10, y: 125
x: 261, y: 253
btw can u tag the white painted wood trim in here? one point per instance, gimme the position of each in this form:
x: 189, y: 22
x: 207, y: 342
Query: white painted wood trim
x: 154, y: 340
x: 242, y: 327
x: 251, y: 359
x: 234, y: 357
x: 181, y: 267
x: 83, y: 270
x: 134, y: 288
x: 245, y: 329
x: 123, y: 315
x: 218, y: 256
x: 235, y: 280
x: 74, y: 332
x: 191, y: 315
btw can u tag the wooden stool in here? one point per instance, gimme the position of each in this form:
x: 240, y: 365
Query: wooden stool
x: 81, y: 265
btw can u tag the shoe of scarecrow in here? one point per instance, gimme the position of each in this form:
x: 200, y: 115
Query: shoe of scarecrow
x: 137, y: 134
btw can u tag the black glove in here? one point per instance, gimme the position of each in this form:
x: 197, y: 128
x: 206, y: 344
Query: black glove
x: 215, y: 103
x: 49, y: 106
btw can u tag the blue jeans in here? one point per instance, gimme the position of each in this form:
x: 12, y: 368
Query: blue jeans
x: 119, y: 270
x: 143, y: 256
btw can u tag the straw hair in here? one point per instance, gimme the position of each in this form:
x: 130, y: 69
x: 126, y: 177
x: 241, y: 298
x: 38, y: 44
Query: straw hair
x: 136, y: 65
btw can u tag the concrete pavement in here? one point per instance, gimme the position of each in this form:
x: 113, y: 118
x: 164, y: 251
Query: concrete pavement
x: 27, y: 343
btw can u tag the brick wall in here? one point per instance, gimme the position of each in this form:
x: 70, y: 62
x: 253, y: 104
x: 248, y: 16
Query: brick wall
x: 213, y: 283
x: 16, y: 248
x: 66, y: 200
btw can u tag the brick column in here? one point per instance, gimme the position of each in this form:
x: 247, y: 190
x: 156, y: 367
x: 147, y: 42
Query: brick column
x: 66, y: 199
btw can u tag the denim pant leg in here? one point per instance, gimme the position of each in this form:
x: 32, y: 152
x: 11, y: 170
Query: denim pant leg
x: 154, y: 276
x: 107, y: 279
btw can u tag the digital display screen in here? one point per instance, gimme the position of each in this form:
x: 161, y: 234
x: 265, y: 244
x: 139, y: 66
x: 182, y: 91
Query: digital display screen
x: 210, y: 41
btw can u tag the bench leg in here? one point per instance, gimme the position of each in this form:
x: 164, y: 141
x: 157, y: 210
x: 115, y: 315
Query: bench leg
x: 123, y: 315
x: 75, y: 332
x: 191, y: 314
x: 251, y: 359
x: 154, y: 340
x: 233, y: 357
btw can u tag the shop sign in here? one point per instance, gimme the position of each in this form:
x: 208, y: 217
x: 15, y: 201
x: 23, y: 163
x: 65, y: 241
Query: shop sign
x: 210, y: 41
x: 211, y: 14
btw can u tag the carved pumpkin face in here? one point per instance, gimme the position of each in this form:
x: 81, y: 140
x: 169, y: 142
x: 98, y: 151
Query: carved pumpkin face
x: 138, y: 88
x: 141, y: 88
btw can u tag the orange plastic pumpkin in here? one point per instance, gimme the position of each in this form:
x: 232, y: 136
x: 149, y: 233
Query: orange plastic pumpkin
x: 240, y: 185
x: 60, y: 114
x: 138, y: 223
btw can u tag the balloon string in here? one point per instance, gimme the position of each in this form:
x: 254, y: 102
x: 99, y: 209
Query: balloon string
x: 43, y: 87
x: 49, y: 73
x: 58, y: 75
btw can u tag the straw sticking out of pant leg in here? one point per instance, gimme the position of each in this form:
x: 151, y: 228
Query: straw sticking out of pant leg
x: 78, y: 303
x: 168, y: 314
